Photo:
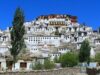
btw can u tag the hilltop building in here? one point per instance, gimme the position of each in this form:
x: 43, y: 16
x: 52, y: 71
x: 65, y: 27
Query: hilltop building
x: 48, y: 36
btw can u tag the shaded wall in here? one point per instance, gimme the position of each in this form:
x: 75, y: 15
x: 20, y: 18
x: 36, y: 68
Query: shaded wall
x: 65, y: 71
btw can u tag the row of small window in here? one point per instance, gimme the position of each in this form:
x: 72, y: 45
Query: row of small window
x: 67, y: 37
x: 40, y: 29
x: 59, y: 22
x: 33, y: 38
x: 55, y: 54
x: 34, y: 49
x: 97, y: 41
x: 44, y: 30
x: 3, y: 39
x: 84, y: 34
x: 75, y: 29
x: 35, y: 42
x: 71, y: 29
x: 62, y: 49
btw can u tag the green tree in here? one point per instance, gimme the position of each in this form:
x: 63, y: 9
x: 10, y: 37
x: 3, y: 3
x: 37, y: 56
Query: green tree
x: 97, y: 57
x: 69, y: 59
x: 17, y: 33
x: 48, y: 64
x: 84, y: 54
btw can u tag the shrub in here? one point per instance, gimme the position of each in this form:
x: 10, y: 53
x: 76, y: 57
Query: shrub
x: 48, y: 64
x: 69, y: 59
x: 38, y: 66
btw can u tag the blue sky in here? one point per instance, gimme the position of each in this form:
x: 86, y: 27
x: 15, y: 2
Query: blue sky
x: 88, y: 11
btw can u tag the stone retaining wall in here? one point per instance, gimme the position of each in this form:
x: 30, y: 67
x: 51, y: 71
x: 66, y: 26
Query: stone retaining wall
x: 65, y: 71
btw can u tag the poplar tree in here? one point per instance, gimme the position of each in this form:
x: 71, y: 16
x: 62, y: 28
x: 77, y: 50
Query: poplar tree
x: 17, y: 33
x: 84, y: 54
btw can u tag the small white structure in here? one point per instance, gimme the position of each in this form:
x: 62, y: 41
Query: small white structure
x: 2, y: 64
x: 92, y: 53
x: 22, y: 65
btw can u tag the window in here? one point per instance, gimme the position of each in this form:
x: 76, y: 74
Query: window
x: 75, y: 39
x: 69, y: 29
x: 23, y: 64
x: 79, y: 33
x: 29, y: 28
x: 85, y: 33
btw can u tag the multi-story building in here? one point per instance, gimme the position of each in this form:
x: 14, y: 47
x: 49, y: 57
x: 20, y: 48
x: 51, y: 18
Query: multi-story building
x: 50, y: 36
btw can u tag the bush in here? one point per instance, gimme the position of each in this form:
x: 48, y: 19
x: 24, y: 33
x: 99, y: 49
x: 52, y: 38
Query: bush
x: 97, y: 57
x: 48, y: 64
x: 68, y: 60
x: 38, y: 66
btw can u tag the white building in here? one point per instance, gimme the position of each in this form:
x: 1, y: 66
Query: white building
x: 48, y: 35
